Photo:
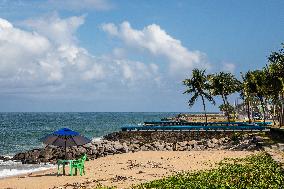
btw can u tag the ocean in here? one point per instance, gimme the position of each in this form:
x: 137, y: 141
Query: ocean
x: 22, y: 131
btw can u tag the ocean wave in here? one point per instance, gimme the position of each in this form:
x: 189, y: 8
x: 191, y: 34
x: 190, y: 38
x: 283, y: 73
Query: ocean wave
x: 95, y: 139
x: 13, y: 168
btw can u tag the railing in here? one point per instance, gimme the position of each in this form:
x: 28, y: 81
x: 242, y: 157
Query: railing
x: 177, y: 123
x: 197, y: 128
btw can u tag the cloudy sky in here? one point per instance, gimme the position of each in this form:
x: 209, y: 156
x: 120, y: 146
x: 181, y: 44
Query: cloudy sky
x: 104, y: 55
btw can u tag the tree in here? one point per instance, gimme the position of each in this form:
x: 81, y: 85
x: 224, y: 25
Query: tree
x: 198, y: 86
x: 229, y: 108
x: 276, y: 70
x: 259, y: 86
x: 224, y: 84
x: 246, y: 92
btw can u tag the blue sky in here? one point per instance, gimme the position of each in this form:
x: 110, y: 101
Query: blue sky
x: 98, y: 55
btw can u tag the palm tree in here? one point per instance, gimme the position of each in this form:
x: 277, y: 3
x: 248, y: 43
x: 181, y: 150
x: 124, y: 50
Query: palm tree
x: 248, y: 89
x: 260, y: 80
x: 276, y: 70
x: 198, y: 86
x: 224, y: 84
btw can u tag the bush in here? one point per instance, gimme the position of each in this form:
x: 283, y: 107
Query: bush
x: 257, y: 171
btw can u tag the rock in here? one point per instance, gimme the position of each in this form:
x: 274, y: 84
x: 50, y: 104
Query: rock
x: 180, y: 148
x: 69, y: 155
x: 192, y: 142
x: 280, y: 146
x: 125, y: 148
x: 5, y: 158
x: 46, y: 153
x: 202, y: 147
x: 19, y: 156
x: 81, y: 150
x: 168, y: 147
x: 144, y: 148
x: 189, y: 147
x: 251, y: 147
x: 195, y: 147
x: 200, y: 142
x: 134, y: 146
x: 109, y: 148
x: 183, y: 144
x: 157, y: 146
x: 124, y: 142
x: 223, y: 140
x: 274, y: 147
x: 210, y: 144
x: 258, y: 139
x: 118, y: 147
x: 215, y: 141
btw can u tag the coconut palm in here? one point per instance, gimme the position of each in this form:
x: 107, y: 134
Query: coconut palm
x: 260, y: 83
x: 276, y: 70
x: 246, y: 93
x: 224, y: 84
x: 198, y: 86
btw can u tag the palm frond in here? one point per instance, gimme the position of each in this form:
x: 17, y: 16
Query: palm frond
x: 209, y: 98
x: 192, y: 100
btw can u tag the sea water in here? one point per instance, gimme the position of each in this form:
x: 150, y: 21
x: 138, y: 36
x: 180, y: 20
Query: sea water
x: 20, y: 132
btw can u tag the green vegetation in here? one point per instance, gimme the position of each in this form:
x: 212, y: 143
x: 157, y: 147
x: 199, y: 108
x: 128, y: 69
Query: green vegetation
x: 227, y: 108
x: 261, y: 90
x: 198, y: 85
x: 224, y: 84
x: 258, y: 171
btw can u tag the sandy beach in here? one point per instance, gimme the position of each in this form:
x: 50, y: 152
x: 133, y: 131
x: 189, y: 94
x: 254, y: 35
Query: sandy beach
x: 124, y: 170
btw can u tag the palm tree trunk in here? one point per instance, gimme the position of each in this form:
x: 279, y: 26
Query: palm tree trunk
x: 263, y: 109
x: 281, y: 111
x: 248, y: 110
x: 279, y: 115
x: 204, y: 109
x: 226, y: 107
x: 274, y: 114
x: 226, y: 99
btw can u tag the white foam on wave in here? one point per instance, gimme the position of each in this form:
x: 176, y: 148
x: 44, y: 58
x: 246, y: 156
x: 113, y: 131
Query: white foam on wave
x: 96, y: 139
x: 12, y: 168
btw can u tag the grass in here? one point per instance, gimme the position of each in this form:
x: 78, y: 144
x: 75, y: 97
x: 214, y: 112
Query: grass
x: 257, y: 171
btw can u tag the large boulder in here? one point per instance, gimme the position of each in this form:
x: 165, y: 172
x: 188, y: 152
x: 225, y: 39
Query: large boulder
x: 144, y: 141
x: 210, y: 144
x: 5, y: 158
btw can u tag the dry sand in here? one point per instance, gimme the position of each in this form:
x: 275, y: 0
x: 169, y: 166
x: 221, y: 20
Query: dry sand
x: 123, y: 170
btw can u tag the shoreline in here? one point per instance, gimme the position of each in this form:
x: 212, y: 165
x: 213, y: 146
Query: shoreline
x: 124, y: 158
x: 15, y: 168
x: 127, y: 142
x: 123, y: 170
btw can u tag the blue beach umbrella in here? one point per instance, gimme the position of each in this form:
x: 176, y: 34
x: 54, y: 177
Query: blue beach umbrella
x: 65, y: 138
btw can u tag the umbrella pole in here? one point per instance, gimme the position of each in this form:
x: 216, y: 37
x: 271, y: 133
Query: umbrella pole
x: 65, y: 149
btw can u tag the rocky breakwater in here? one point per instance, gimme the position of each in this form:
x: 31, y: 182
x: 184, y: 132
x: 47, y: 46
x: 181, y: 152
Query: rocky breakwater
x: 97, y: 149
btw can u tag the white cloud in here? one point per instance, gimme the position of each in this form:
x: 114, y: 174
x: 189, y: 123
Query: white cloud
x: 229, y: 67
x: 119, y: 53
x: 48, y: 57
x: 32, y: 42
x: 81, y: 5
x: 96, y: 72
x: 59, y: 31
x: 43, y: 60
x: 19, y: 51
x: 110, y: 28
x: 157, y: 42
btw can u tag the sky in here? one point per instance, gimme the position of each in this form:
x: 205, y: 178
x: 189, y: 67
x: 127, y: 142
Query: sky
x: 127, y: 56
